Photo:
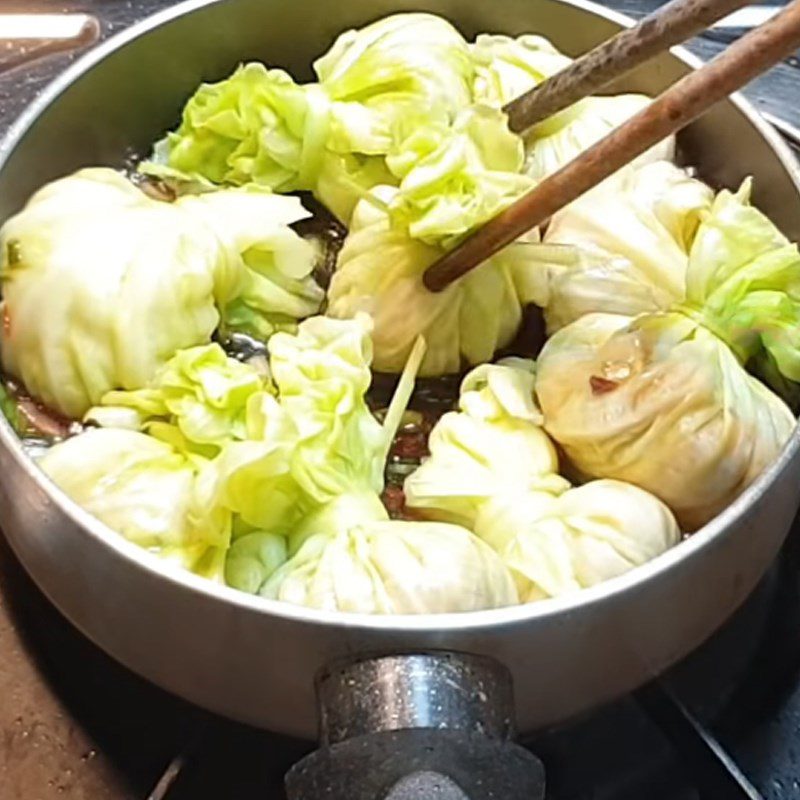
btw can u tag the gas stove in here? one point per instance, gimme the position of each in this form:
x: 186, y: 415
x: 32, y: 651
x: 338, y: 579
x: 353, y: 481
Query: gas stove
x: 723, y: 725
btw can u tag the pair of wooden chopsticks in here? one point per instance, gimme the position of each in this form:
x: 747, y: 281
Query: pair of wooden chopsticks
x: 672, y: 110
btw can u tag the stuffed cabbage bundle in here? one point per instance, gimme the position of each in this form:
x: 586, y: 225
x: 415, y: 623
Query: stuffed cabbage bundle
x: 347, y: 554
x: 559, y: 544
x: 394, y: 105
x: 394, y: 567
x: 101, y: 284
x: 507, y: 67
x: 493, y: 469
x: 148, y: 492
x: 661, y: 402
x: 380, y: 272
x: 207, y: 405
x: 401, y: 65
x: 494, y: 445
x: 622, y: 248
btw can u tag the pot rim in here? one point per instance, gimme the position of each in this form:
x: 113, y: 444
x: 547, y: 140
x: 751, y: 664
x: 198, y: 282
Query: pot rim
x: 609, y: 591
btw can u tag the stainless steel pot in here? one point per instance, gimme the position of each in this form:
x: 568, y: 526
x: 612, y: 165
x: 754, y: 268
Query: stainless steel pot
x: 255, y: 660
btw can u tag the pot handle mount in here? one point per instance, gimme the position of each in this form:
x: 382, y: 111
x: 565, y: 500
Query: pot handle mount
x: 416, y: 727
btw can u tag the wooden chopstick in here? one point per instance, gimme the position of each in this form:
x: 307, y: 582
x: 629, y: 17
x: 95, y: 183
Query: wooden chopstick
x: 672, y: 110
x: 667, y: 26
x: 33, y: 36
x: 49, y: 27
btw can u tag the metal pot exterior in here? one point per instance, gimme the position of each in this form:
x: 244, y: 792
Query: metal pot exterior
x: 255, y: 660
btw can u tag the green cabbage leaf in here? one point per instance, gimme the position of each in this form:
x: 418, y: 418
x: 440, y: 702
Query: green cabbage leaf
x: 200, y: 390
x: 148, y: 492
x: 554, y: 142
x: 252, y: 559
x: 102, y: 285
x: 455, y: 176
x: 507, y: 67
x: 256, y: 126
x: 743, y: 282
x: 322, y: 374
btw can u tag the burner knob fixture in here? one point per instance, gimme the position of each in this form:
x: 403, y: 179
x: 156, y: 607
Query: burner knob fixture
x: 432, y: 726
